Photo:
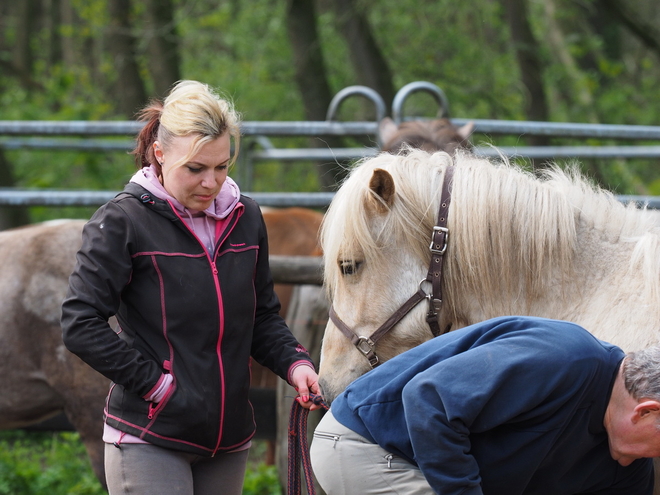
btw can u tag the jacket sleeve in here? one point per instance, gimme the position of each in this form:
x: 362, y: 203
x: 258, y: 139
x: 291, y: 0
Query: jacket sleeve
x: 273, y: 344
x: 103, y: 268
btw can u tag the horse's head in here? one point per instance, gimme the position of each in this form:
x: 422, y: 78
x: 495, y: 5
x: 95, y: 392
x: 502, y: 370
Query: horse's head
x: 512, y: 249
x: 376, y: 237
x: 427, y: 135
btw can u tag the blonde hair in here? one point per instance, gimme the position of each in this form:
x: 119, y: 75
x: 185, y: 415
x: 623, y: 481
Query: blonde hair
x: 500, y: 212
x: 191, y: 109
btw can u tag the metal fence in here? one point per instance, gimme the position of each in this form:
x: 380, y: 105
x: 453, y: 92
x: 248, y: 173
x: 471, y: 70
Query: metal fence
x: 103, y: 136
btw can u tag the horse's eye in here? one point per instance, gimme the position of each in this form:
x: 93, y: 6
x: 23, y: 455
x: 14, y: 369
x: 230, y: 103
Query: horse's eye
x: 349, y: 267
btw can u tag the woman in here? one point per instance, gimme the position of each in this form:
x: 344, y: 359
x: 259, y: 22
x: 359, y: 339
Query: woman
x: 181, y: 258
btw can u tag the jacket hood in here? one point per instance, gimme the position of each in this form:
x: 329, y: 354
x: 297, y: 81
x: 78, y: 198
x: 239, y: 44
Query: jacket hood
x: 221, y: 207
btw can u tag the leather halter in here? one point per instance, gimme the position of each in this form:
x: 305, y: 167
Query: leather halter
x: 438, y: 247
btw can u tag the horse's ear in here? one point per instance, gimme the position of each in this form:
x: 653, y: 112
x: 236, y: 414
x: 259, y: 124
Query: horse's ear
x: 387, y: 129
x: 465, y: 131
x: 382, y: 184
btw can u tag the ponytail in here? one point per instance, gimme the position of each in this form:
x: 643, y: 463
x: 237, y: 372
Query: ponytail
x: 144, y: 150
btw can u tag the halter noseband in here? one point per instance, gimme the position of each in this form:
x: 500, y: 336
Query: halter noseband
x: 438, y: 247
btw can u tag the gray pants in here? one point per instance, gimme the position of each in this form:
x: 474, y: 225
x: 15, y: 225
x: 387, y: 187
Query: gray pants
x: 346, y: 463
x: 146, y: 469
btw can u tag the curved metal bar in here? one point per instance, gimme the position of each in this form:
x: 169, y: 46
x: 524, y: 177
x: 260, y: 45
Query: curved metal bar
x: 408, y: 89
x: 356, y: 90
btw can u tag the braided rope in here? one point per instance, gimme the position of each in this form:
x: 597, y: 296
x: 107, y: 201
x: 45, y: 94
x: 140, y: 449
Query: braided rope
x: 298, y: 448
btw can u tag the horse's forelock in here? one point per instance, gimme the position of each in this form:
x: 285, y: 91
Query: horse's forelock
x: 348, y: 228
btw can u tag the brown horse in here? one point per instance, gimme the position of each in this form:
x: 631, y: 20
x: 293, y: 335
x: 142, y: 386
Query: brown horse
x: 427, y: 135
x: 39, y: 378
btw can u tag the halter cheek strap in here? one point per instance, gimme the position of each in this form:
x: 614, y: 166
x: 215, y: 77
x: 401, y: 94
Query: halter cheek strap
x: 438, y: 248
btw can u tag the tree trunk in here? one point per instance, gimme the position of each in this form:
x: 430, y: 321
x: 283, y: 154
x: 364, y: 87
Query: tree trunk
x: 368, y: 62
x: 578, y: 88
x: 67, y: 17
x: 25, y: 19
x: 10, y: 217
x: 54, y: 36
x: 527, y: 52
x: 163, y: 61
x: 647, y: 32
x: 128, y: 85
x: 311, y: 78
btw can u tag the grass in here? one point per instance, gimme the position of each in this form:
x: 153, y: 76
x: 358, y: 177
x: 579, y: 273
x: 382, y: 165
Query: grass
x: 55, y: 463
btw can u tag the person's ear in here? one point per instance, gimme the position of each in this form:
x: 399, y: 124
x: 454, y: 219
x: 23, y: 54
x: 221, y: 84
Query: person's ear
x: 158, y: 152
x: 645, y: 409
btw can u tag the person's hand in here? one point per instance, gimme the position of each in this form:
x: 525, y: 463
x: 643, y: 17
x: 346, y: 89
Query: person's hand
x: 306, y: 382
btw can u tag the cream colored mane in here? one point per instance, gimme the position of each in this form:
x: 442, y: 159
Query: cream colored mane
x: 513, y: 236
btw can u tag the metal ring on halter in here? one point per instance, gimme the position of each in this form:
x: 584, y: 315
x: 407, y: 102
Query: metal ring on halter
x: 429, y: 295
x: 366, y: 346
x: 370, y: 345
x: 434, y: 304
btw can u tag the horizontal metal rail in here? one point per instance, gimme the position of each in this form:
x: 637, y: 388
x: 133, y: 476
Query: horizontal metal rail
x: 324, y: 128
x: 342, y: 154
x: 50, y: 197
x: 535, y: 152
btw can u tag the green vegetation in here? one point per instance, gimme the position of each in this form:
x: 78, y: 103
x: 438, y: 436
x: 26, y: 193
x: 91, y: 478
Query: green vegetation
x: 591, y: 67
x: 45, y: 463
x: 39, y: 463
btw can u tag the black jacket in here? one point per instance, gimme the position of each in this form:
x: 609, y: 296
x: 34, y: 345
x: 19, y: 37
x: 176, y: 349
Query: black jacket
x: 181, y: 311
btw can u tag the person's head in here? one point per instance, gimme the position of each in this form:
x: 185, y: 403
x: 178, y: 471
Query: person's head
x: 188, y: 139
x: 632, y: 419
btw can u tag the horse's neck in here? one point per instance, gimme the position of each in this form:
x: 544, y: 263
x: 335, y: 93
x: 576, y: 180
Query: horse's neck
x: 616, y: 288
x: 611, y: 287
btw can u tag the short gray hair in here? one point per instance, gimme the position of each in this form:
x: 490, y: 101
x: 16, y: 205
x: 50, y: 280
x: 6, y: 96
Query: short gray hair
x: 641, y: 373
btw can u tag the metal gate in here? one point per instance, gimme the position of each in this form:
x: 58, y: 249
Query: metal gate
x: 88, y: 136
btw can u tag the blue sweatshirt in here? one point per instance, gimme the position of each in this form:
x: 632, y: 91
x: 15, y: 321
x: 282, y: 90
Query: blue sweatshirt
x: 513, y: 405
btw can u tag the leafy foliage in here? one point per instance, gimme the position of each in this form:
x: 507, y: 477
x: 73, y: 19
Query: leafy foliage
x: 45, y: 463
x: 594, y: 70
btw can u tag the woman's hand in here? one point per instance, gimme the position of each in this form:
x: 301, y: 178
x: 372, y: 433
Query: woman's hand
x: 306, y: 382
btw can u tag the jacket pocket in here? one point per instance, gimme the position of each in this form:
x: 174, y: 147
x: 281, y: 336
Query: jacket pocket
x: 156, y: 408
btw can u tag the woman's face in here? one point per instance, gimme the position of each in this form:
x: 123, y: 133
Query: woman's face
x: 196, y: 182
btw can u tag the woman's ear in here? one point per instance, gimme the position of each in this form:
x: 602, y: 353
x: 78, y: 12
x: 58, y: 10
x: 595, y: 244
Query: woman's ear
x: 158, y: 152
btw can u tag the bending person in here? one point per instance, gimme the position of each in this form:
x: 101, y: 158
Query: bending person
x: 513, y: 405
x: 181, y: 258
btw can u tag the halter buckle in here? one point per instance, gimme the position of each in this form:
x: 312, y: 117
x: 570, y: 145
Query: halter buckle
x: 366, y: 346
x: 442, y: 249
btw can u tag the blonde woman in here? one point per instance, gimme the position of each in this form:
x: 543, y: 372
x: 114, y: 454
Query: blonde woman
x: 180, y: 257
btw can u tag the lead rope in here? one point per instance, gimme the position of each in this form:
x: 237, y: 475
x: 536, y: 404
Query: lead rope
x: 299, y: 449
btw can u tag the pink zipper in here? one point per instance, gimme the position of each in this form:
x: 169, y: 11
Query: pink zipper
x: 214, y: 268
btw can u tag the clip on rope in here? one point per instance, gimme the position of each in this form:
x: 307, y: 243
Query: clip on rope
x: 298, y: 448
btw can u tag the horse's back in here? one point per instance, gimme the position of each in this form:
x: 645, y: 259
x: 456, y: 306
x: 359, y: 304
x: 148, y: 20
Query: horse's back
x: 37, y: 261
x: 293, y: 231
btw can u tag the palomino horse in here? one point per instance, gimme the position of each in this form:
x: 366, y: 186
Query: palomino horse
x: 552, y: 246
x: 39, y: 378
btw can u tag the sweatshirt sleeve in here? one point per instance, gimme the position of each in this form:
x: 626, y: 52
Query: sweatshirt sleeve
x: 103, y: 268
x: 477, y: 391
